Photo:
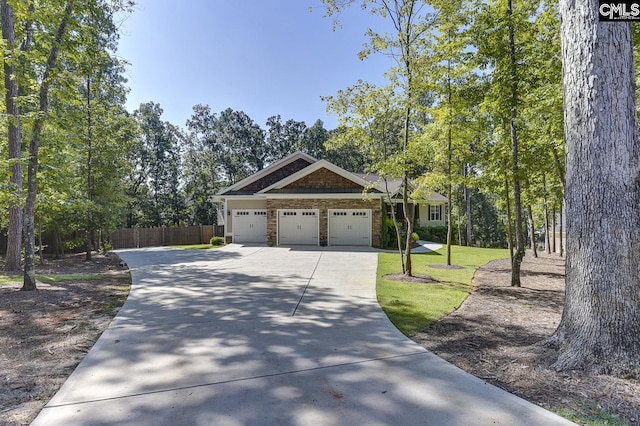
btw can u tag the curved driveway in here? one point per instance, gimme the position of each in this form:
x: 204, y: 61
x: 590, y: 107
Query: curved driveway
x: 268, y: 336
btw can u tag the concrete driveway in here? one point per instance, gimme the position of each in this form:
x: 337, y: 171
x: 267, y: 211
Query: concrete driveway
x: 268, y: 336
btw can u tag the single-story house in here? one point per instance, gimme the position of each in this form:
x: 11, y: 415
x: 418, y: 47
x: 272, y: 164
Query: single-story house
x: 302, y: 200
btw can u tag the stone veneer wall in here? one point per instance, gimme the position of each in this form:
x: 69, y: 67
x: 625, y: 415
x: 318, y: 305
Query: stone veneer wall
x: 323, y: 205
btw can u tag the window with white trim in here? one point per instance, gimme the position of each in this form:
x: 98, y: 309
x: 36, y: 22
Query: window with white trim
x: 435, y: 212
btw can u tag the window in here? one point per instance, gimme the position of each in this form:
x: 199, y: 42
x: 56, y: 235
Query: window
x: 435, y: 213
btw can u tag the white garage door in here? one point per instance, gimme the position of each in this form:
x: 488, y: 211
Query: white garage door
x: 249, y: 226
x: 298, y: 226
x: 348, y: 227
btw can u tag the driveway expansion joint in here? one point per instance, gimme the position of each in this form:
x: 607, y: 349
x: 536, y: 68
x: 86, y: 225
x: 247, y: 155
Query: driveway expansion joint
x: 308, y: 284
x: 239, y: 379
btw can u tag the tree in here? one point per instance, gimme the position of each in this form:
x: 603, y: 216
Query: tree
x: 200, y: 182
x: 315, y: 137
x: 600, y: 326
x: 410, y: 22
x: 371, y: 123
x: 201, y: 165
x: 446, y: 73
x: 243, y: 143
x: 99, y: 111
x: 284, y: 139
x: 14, y: 237
x: 29, y: 283
x: 505, y: 33
x: 155, y: 182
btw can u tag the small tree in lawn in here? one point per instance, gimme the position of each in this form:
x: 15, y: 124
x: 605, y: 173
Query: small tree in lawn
x: 410, y: 21
x: 371, y: 122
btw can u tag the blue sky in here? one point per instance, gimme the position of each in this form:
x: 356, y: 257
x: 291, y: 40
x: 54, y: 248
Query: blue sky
x: 263, y: 57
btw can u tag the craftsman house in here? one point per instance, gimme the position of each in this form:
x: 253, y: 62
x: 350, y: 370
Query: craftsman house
x: 302, y: 200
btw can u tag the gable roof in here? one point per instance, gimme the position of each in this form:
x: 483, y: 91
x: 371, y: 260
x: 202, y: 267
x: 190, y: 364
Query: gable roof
x: 394, y: 185
x: 264, y: 173
x: 318, y: 165
x: 301, y: 168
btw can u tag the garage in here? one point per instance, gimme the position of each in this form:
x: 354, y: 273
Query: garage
x: 249, y: 225
x: 349, y: 227
x: 298, y: 227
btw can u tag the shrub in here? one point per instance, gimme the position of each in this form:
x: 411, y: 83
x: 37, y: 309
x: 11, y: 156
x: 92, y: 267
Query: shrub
x: 436, y: 234
x: 387, y: 233
x: 106, y: 247
x: 217, y: 241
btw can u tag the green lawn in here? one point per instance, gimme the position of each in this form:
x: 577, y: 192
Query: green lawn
x: 197, y: 246
x: 412, y: 307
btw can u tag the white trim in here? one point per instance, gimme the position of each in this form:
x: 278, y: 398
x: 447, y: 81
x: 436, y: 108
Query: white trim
x: 251, y: 197
x: 269, y: 169
x: 321, y: 196
x: 226, y: 221
x: 315, y: 167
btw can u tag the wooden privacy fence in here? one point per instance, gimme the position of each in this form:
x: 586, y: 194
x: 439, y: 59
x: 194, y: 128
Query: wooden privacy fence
x: 149, y: 237
x: 133, y: 238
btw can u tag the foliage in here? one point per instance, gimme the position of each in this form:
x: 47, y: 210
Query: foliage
x: 71, y: 97
x: 154, y: 182
x: 217, y: 241
x: 436, y: 234
x: 387, y: 233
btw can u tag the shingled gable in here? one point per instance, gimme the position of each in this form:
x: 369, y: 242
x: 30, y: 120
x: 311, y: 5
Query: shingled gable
x: 322, y: 177
x: 270, y: 175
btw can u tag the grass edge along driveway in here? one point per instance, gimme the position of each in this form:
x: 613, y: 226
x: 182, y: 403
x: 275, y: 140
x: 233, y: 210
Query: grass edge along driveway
x: 414, y: 306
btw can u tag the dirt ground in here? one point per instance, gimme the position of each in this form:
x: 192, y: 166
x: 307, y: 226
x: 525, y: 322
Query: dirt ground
x: 493, y: 336
x: 45, y: 334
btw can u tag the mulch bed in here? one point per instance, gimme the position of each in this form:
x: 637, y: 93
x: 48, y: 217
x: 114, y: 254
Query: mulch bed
x: 46, y: 333
x: 495, y: 335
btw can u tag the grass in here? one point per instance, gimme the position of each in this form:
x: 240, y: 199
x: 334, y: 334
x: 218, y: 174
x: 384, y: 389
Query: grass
x: 197, y: 246
x: 590, y: 415
x: 10, y: 279
x: 17, y: 279
x: 412, y: 307
x: 68, y: 277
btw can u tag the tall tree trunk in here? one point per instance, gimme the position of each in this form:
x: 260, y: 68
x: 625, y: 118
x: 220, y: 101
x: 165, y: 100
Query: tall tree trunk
x: 553, y: 230
x: 547, y: 242
x: 517, y: 203
x: 560, y: 232
x: 532, y: 232
x: 509, y: 218
x: 600, y: 326
x: 560, y: 170
x: 395, y: 223
x: 14, y: 234
x: 469, y: 227
x: 89, y: 230
x: 29, y: 282
x: 449, y: 162
x: 408, y: 215
x: 40, y: 246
